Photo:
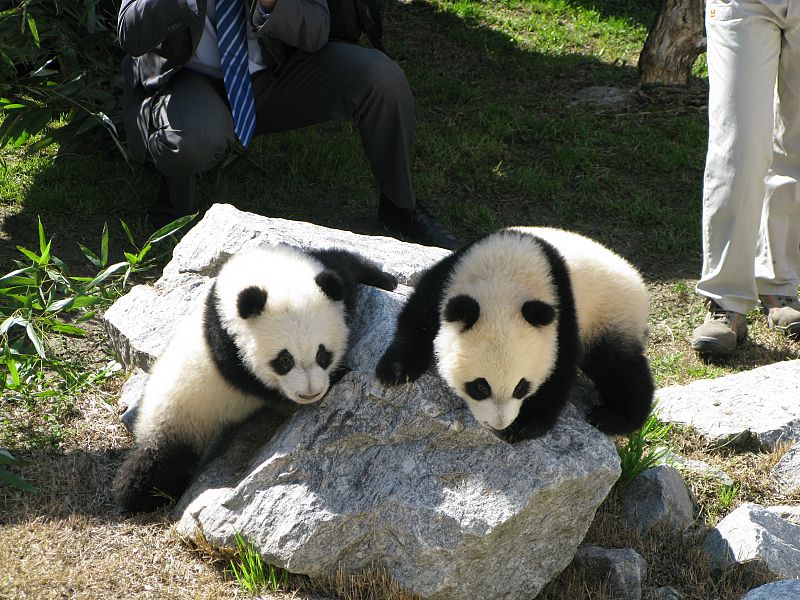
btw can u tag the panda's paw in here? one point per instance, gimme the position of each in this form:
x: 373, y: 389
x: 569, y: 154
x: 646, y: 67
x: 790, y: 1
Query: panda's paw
x: 398, y: 366
x: 612, y: 422
x: 518, y: 433
x: 385, y: 281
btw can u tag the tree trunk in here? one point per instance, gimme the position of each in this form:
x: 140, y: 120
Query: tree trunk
x: 673, y: 43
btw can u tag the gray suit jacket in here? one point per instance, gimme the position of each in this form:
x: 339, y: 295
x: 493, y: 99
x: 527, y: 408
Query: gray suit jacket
x: 160, y: 36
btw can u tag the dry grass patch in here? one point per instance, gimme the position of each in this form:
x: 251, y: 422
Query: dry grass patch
x: 69, y: 540
x: 674, y: 558
x: 751, y: 471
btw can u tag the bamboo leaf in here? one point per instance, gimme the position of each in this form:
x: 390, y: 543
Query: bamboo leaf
x: 128, y: 233
x: 68, y: 329
x: 32, y: 255
x: 105, y: 274
x: 16, y: 482
x: 33, y: 336
x: 34, y: 30
x: 89, y: 254
x: 104, y: 246
x: 170, y: 228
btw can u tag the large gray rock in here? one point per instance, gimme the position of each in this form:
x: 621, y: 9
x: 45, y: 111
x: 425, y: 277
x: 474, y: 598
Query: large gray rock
x: 403, y: 477
x: 658, y: 497
x: 758, y: 407
x: 624, y: 569
x: 788, y: 589
x: 753, y: 534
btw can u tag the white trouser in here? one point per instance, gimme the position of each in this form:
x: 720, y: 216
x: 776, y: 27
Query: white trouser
x: 751, y: 207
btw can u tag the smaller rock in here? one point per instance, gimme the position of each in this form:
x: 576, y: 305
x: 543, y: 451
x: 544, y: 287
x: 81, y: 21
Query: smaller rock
x: 667, y: 593
x: 699, y: 467
x: 754, y: 535
x: 788, y: 589
x: 658, y: 497
x: 624, y: 569
x: 787, y: 469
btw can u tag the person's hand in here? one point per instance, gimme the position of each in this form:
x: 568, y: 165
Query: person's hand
x: 267, y: 5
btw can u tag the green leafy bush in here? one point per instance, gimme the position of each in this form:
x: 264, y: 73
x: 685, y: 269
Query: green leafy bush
x: 41, y: 301
x: 59, y: 63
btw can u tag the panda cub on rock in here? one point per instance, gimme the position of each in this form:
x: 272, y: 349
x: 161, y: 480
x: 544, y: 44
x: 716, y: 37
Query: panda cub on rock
x: 270, y: 334
x: 513, y: 315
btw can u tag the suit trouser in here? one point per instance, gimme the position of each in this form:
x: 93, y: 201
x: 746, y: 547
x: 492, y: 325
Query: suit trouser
x: 191, y: 125
x: 751, y: 208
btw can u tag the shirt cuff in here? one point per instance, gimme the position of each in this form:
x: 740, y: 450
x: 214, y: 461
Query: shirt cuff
x: 193, y: 5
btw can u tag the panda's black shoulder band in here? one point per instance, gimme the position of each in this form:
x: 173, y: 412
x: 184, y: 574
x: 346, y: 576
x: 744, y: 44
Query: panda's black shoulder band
x: 226, y: 358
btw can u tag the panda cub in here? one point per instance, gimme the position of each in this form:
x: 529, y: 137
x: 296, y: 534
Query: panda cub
x: 513, y: 315
x: 271, y: 333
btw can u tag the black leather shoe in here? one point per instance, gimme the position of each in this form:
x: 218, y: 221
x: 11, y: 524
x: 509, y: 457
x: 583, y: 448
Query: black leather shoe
x: 415, y: 225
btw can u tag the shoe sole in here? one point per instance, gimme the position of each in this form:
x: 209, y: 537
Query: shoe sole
x: 792, y: 330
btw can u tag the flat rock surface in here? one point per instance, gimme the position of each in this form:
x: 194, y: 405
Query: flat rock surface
x: 759, y: 407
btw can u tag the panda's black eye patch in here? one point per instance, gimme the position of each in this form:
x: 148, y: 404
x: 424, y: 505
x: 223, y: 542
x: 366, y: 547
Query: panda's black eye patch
x: 283, y: 363
x: 538, y: 313
x: 324, y: 357
x: 522, y: 389
x: 478, y: 389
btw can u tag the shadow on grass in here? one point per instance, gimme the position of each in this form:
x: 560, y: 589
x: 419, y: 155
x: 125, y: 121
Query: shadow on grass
x: 505, y: 135
x: 75, y: 482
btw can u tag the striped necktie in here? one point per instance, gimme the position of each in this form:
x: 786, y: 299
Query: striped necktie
x: 232, y: 40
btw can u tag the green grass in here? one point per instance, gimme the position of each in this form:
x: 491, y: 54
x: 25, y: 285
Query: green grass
x: 643, y: 449
x: 251, y: 573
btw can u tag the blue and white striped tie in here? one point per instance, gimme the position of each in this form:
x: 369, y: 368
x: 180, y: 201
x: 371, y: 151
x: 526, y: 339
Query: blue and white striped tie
x: 232, y: 40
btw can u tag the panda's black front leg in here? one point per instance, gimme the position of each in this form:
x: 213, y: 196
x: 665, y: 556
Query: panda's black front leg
x: 405, y: 360
x: 540, y: 410
x: 411, y: 351
x: 353, y: 266
x: 533, y: 422
x: 624, y: 383
x: 152, y: 474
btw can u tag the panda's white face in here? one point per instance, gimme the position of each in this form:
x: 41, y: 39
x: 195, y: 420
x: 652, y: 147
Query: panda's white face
x: 498, y: 336
x: 296, y: 348
x: 289, y: 332
x: 497, y: 363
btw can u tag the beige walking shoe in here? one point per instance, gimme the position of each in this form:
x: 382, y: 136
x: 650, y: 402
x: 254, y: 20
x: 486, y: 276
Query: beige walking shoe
x: 783, y: 313
x: 721, y: 332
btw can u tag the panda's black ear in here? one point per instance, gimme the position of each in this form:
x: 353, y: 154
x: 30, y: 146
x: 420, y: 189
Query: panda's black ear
x: 462, y: 309
x: 538, y: 313
x: 251, y: 302
x: 331, y: 285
